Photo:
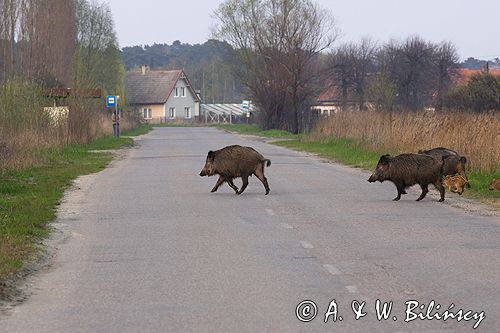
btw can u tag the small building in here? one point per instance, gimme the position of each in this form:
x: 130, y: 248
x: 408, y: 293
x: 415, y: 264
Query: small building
x: 58, y: 109
x: 227, y: 113
x: 330, y: 101
x: 162, y: 96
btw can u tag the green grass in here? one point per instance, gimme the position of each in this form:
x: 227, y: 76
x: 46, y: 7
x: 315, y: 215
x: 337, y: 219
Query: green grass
x: 110, y: 142
x: 143, y: 129
x: 352, y: 153
x: 255, y: 130
x: 28, y: 198
x: 345, y: 151
x: 480, y: 183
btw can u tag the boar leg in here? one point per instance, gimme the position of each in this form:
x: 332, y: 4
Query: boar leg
x: 245, y: 183
x: 425, y: 189
x: 401, y: 190
x: 231, y: 184
x: 220, y: 181
x: 259, y: 173
x: 440, y: 187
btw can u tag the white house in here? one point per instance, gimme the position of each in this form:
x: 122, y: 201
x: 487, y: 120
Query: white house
x: 162, y: 96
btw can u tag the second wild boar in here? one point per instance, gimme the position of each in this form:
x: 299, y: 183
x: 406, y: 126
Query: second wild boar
x: 453, y: 162
x: 406, y: 170
x: 235, y: 161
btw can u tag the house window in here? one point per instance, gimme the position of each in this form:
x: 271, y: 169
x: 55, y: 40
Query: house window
x: 171, y: 112
x: 146, y: 113
x: 183, y: 92
x: 176, y: 92
x: 188, y: 112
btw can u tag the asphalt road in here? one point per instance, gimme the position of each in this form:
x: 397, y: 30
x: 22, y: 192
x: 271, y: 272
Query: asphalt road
x: 143, y: 246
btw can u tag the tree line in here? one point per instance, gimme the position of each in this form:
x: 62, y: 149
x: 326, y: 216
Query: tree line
x: 408, y: 75
x: 282, y: 47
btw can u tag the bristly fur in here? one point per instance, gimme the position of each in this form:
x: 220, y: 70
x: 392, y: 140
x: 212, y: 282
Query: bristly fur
x: 406, y: 170
x: 453, y: 162
x: 235, y: 161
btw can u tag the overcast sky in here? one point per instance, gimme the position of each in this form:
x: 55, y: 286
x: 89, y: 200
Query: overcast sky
x: 474, y: 26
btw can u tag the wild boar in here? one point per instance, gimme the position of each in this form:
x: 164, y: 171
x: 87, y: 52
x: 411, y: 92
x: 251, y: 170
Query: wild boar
x: 453, y: 162
x: 455, y: 184
x: 406, y: 170
x: 235, y: 161
x: 495, y: 185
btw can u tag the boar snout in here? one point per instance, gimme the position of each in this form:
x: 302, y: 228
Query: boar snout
x: 203, y: 173
x: 372, y: 179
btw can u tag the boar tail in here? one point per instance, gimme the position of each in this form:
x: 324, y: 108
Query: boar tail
x: 268, y: 162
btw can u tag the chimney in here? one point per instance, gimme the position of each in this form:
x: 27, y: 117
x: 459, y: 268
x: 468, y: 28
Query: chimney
x: 145, y: 69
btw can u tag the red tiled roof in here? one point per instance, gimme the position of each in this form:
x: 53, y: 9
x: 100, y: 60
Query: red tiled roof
x: 464, y: 74
x: 330, y: 92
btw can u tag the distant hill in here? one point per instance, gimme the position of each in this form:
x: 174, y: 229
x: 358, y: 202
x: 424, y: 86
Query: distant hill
x: 208, y: 66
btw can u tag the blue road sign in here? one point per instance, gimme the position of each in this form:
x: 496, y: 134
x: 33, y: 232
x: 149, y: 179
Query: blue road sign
x: 110, y: 101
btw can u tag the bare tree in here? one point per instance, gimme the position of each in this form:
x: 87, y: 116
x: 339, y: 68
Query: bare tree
x: 278, y: 42
x: 37, y: 39
x: 410, y: 65
x: 9, y: 11
x: 350, y: 65
x: 342, y: 67
x: 446, y: 62
x: 48, y: 40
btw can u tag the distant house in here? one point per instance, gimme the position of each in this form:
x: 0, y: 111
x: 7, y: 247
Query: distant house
x: 162, y: 96
x: 464, y: 74
x: 330, y: 101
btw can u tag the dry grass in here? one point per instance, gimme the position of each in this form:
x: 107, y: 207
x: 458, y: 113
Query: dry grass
x: 26, y: 130
x: 474, y: 135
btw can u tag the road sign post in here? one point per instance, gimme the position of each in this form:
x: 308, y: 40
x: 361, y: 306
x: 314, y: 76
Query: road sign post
x: 245, y: 104
x: 112, y: 101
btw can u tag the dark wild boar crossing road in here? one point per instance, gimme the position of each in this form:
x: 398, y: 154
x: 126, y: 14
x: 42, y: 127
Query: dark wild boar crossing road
x: 143, y: 246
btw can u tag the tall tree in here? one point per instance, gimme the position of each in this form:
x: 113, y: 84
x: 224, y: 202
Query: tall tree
x: 350, y: 65
x: 446, y: 62
x: 97, y: 59
x: 37, y: 39
x: 278, y: 42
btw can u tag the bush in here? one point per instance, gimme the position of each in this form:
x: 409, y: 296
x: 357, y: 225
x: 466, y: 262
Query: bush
x: 482, y: 93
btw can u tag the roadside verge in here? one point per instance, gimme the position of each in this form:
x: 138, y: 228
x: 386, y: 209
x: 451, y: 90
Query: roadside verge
x: 29, y: 199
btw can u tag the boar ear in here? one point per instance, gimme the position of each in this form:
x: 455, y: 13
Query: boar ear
x: 211, y: 154
x: 384, y: 159
x: 420, y: 151
x: 463, y: 159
